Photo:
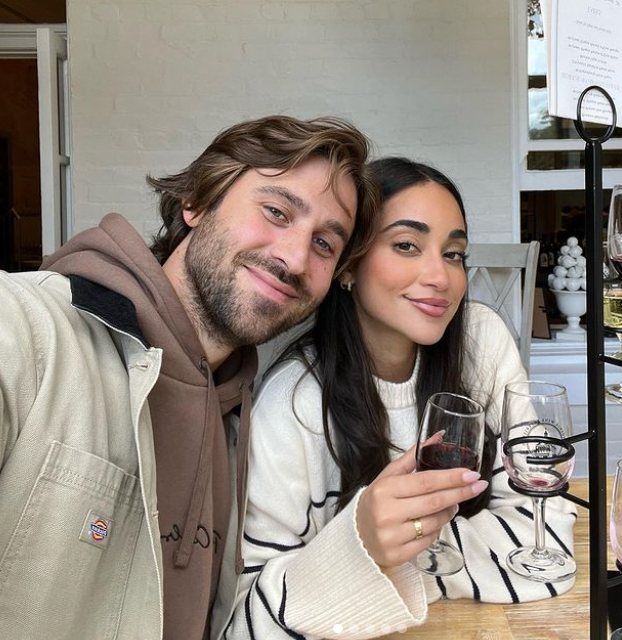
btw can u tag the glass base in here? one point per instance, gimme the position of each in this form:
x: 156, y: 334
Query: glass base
x: 548, y: 565
x: 614, y: 392
x: 440, y: 559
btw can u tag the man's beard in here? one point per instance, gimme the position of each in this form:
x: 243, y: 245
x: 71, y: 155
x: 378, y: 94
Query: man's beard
x: 226, y: 316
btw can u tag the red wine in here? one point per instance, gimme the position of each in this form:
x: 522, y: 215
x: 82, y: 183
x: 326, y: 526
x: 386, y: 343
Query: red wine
x: 446, y: 455
x: 617, y: 263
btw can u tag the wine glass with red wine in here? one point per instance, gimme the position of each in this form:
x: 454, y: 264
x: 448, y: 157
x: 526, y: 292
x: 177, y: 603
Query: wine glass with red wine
x: 535, y: 422
x: 451, y: 436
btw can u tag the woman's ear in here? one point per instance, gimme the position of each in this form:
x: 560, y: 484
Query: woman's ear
x: 346, y: 280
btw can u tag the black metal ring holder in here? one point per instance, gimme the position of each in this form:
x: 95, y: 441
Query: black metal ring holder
x: 567, y: 454
x: 602, y: 585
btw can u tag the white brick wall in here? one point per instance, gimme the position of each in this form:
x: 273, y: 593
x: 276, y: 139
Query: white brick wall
x: 153, y: 81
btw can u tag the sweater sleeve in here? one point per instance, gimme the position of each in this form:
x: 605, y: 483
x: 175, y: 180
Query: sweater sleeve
x: 486, y: 538
x: 307, y: 573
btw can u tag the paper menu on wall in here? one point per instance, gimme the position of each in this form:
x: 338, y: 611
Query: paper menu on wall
x: 583, y: 40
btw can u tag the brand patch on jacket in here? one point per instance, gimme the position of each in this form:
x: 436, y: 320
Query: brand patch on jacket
x: 96, y: 530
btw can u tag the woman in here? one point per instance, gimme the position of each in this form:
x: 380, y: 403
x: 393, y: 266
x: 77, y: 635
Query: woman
x: 329, y: 526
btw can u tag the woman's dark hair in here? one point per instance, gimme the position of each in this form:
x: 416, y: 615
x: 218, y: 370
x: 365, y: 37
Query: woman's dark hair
x: 358, y: 436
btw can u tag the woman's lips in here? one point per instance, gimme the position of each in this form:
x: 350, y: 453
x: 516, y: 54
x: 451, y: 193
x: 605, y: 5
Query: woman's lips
x: 272, y: 286
x: 432, y: 307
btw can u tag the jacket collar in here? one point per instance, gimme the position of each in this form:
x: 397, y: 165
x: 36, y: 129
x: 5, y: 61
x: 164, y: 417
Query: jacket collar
x: 110, y: 307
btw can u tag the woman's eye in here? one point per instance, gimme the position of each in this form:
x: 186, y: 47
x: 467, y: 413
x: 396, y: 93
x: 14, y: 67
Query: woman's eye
x: 406, y: 247
x: 456, y: 256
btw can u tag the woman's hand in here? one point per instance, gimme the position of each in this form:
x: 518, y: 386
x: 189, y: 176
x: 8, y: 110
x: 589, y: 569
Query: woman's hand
x: 389, y: 506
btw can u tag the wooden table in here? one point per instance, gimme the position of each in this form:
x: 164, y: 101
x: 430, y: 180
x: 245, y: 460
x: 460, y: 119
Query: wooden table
x: 565, y: 617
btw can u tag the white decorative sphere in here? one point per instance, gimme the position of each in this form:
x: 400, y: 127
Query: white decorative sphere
x: 581, y: 261
x: 568, y: 262
x: 550, y: 279
x: 558, y: 284
x: 583, y: 283
x: 564, y: 250
x: 574, y: 272
x: 572, y: 242
x: 560, y: 272
x: 575, y: 252
x: 573, y: 284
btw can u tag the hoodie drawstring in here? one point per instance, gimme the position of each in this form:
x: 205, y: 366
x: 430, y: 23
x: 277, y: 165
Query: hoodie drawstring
x: 199, y: 488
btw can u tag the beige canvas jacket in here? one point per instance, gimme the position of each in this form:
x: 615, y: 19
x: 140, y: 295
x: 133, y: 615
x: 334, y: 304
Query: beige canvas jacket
x: 79, y: 539
x: 80, y: 553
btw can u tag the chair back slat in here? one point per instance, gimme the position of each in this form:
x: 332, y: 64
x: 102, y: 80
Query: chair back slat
x: 507, y: 261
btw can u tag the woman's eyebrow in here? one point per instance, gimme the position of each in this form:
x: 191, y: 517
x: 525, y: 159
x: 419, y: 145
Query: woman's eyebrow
x: 458, y: 234
x: 422, y: 227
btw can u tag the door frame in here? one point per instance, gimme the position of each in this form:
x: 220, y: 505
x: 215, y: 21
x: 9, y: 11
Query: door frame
x: 19, y: 41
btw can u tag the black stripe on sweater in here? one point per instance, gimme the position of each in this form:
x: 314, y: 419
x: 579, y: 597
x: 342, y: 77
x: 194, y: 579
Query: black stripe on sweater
x: 506, y: 527
x: 273, y: 545
x: 476, y: 593
x: 255, y: 569
x: 281, y: 621
x: 441, y: 586
x: 247, y: 611
x: 505, y: 577
x: 317, y: 505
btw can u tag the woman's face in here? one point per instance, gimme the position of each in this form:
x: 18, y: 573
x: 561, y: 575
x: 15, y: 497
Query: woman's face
x: 408, y: 286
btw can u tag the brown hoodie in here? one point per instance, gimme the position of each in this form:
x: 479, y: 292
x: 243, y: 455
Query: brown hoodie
x: 186, y: 405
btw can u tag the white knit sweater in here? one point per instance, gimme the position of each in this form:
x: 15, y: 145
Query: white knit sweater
x: 307, y: 572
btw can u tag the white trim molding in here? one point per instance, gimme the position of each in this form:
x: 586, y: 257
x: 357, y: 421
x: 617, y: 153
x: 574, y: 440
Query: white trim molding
x: 20, y: 40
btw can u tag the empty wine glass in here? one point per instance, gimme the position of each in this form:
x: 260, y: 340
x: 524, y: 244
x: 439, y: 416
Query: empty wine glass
x: 451, y: 436
x: 536, y: 418
x: 612, y: 295
x: 614, y: 229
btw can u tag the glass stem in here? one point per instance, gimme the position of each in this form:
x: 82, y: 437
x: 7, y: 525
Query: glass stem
x: 538, y: 517
x: 435, y: 547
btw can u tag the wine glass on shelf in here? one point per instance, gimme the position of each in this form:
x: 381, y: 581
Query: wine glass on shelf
x: 535, y: 421
x: 612, y: 294
x: 615, y: 530
x: 451, y: 436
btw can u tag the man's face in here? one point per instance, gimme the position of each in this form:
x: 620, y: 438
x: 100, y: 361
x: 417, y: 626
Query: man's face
x: 263, y: 260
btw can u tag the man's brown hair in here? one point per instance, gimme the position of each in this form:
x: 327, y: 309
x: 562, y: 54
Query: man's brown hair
x: 277, y: 142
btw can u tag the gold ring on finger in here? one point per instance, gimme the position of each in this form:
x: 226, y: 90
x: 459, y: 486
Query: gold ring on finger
x: 418, y: 529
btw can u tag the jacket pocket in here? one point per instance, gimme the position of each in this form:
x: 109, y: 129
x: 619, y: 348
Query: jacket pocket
x: 65, y: 569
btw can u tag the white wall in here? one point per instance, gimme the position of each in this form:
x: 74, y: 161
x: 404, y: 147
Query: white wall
x: 153, y: 81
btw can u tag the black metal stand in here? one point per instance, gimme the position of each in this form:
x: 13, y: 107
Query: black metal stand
x: 596, y: 434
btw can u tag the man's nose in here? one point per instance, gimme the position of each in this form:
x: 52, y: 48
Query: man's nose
x: 293, y: 249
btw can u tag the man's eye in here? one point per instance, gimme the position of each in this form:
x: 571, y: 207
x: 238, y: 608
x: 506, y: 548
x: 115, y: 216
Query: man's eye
x: 275, y: 213
x: 323, y: 245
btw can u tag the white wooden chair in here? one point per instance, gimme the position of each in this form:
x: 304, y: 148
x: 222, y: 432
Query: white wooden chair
x: 493, y: 271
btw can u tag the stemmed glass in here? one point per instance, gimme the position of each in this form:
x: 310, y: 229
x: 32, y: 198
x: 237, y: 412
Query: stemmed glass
x: 536, y: 418
x: 615, y: 530
x: 613, y: 291
x: 451, y: 435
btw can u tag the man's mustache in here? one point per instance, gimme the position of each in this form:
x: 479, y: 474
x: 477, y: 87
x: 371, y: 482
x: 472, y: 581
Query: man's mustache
x: 277, y: 270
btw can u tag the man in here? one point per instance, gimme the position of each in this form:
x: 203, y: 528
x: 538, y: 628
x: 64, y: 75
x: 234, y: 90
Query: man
x: 118, y: 360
